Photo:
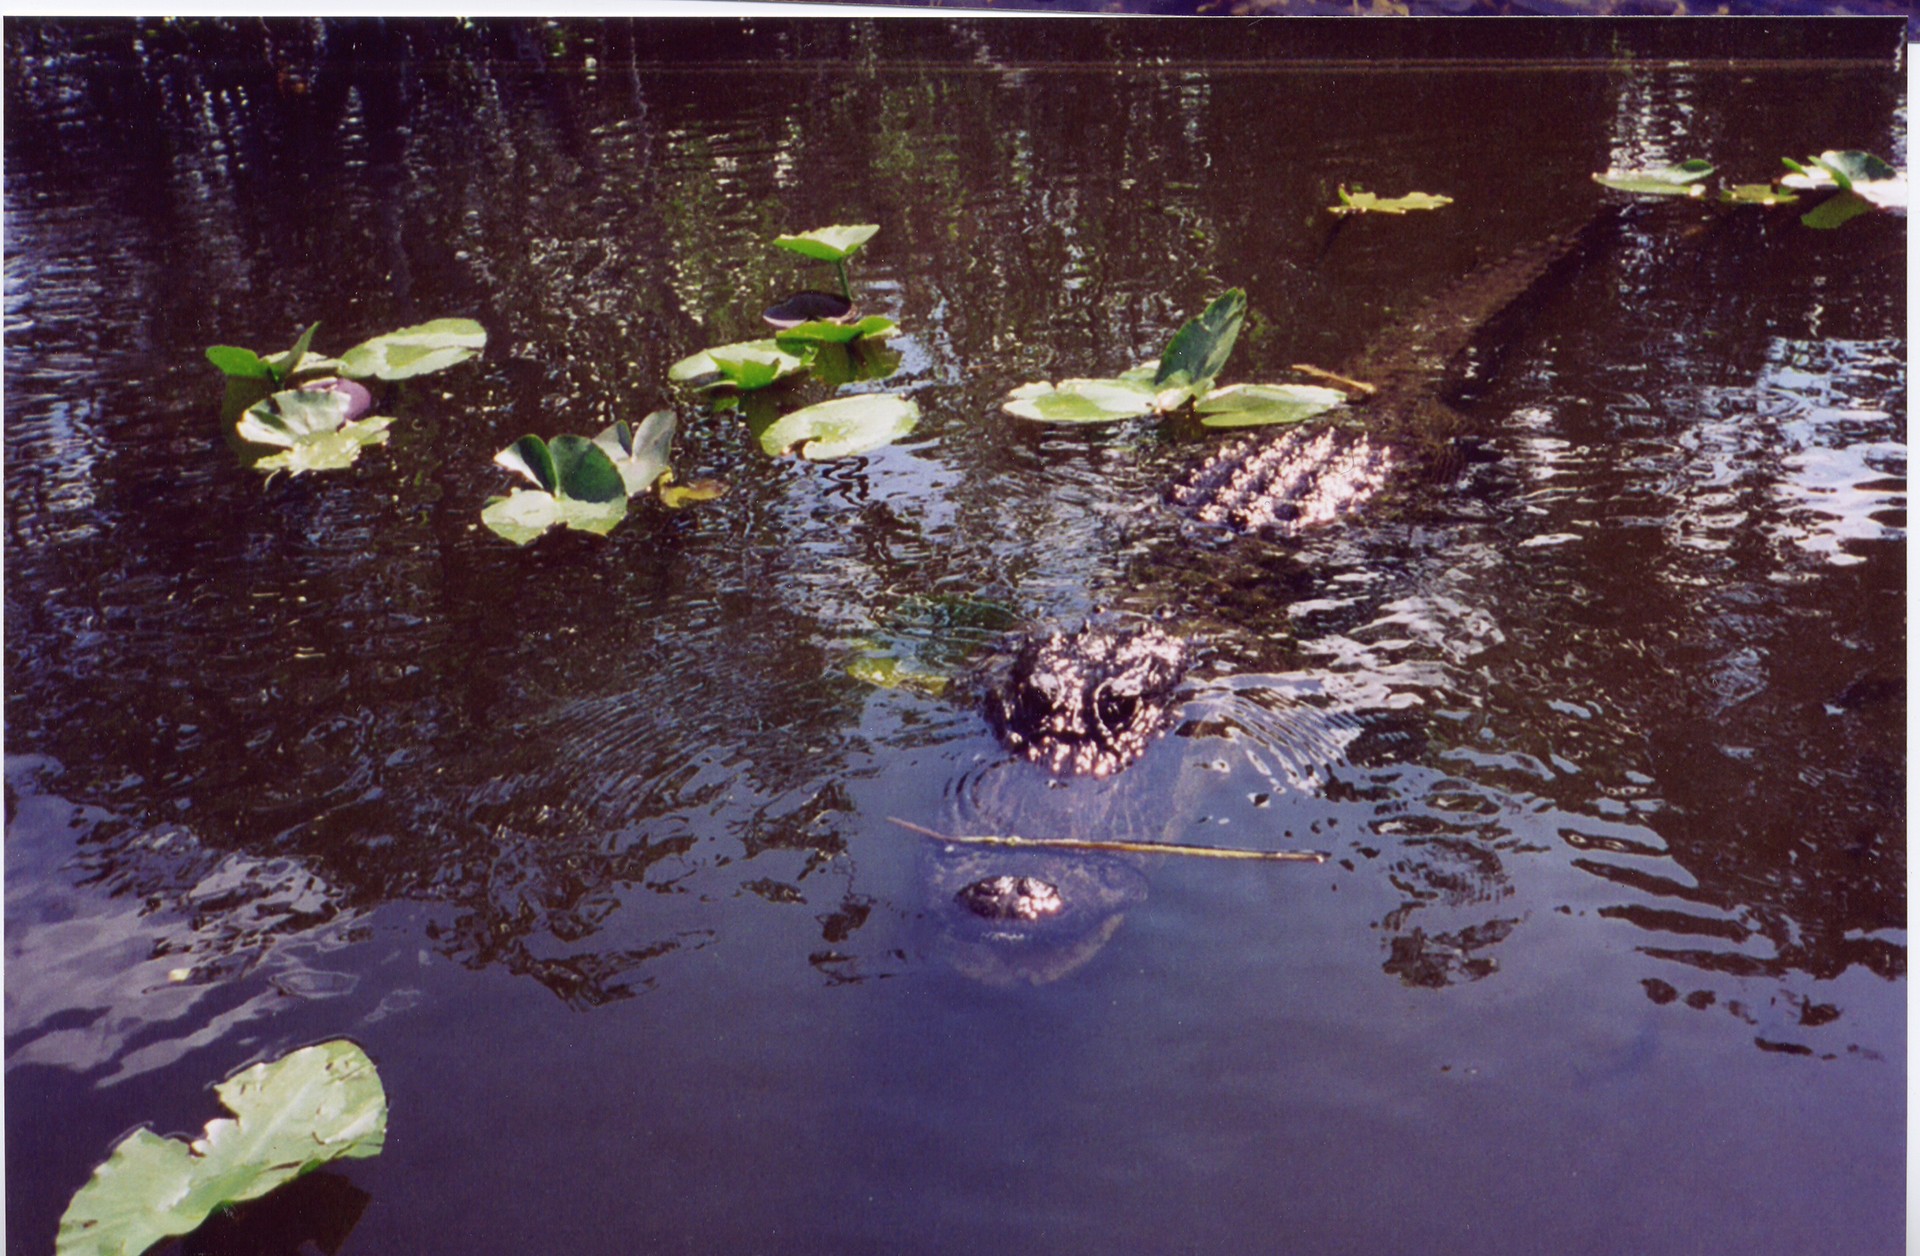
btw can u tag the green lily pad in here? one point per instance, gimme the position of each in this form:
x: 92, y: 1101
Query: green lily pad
x: 1842, y: 207
x: 524, y: 514
x: 314, y: 1106
x: 886, y: 672
x: 1199, y: 350
x: 1850, y: 170
x: 842, y: 427
x: 828, y: 244
x: 1681, y: 180
x: 1265, y: 405
x: 238, y: 363
x: 746, y: 365
x: 310, y: 428
x: 579, y: 486
x: 1358, y: 202
x: 1081, y: 401
x: 677, y: 496
x: 823, y: 331
x: 640, y: 454
x: 412, y: 351
x: 1756, y: 194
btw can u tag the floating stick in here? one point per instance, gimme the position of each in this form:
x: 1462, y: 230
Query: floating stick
x: 1129, y: 848
x: 1352, y: 386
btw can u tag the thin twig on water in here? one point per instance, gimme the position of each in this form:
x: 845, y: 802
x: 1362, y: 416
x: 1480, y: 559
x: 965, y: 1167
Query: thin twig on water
x: 1129, y: 848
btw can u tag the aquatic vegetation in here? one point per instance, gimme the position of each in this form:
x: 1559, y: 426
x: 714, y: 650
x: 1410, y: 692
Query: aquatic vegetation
x: 841, y: 427
x: 307, y: 407
x: 1686, y: 179
x: 1361, y: 202
x: 1860, y: 181
x: 311, y: 427
x: 1182, y: 381
x: 585, y: 484
x: 291, y: 1115
x: 831, y: 244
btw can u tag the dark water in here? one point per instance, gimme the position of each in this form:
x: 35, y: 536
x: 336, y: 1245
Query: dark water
x: 587, y: 843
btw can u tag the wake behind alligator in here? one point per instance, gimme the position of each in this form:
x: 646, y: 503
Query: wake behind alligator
x: 1090, y: 703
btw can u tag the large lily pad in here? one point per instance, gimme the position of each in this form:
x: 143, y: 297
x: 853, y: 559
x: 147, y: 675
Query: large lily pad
x: 1681, y: 180
x: 640, y: 454
x: 579, y: 487
x: 1081, y: 400
x: 842, y: 427
x: 1850, y: 170
x: 746, y: 365
x: 1199, y: 350
x: 316, y: 1105
x: 829, y: 244
x: 412, y: 351
x: 310, y: 428
x: 825, y: 331
x: 1358, y: 202
x: 1265, y: 405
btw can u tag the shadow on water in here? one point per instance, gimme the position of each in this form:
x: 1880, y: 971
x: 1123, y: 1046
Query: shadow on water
x: 1602, y: 725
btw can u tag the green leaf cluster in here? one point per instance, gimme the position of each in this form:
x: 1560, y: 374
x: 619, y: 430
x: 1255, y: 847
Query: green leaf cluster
x: 291, y: 1115
x: 585, y: 484
x: 1860, y: 183
x: 1182, y: 382
x: 279, y: 415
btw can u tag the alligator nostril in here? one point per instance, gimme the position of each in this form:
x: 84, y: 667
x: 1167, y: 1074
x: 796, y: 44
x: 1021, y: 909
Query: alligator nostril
x: 1011, y: 898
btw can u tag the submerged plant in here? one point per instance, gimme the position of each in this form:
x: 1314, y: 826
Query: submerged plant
x: 298, y: 411
x: 291, y: 1115
x: 1182, y: 381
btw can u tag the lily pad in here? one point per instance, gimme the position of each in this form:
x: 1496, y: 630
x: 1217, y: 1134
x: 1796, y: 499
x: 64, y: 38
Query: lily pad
x: 829, y: 244
x: 1265, y: 405
x: 310, y: 427
x: 579, y: 486
x: 822, y: 331
x: 1757, y: 194
x: 1081, y: 401
x: 746, y: 365
x: 1199, y: 350
x: 1358, y: 202
x: 1850, y: 170
x: 842, y: 427
x: 412, y: 351
x: 314, y: 1106
x: 640, y: 454
x: 237, y: 363
x: 887, y: 672
x: 1830, y: 213
x: 1681, y: 180
x: 677, y: 496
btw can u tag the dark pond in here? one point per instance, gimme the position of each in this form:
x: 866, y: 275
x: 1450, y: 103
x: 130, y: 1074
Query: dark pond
x: 588, y: 843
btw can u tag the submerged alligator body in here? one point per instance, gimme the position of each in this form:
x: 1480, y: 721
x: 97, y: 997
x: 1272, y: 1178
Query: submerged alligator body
x: 1086, y: 705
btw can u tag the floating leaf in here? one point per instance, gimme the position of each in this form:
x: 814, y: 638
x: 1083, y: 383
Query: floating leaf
x: 1850, y: 170
x: 825, y: 331
x: 1358, y: 202
x: 746, y: 365
x: 522, y: 515
x: 314, y: 1106
x: 1264, y: 405
x: 1756, y: 194
x: 579, y: 486
x: 842, y: 427
x: 1081, y: 401
x: 1200, y: 349
x: 896, y: 673
x: 1681, y: 180
x: 828, y: 244
x: 311, y: 426
x: 676, y: 496
x: 640, y: 454
x: 1835, y: 210
x: 285, y: 364
x: 412, y: 351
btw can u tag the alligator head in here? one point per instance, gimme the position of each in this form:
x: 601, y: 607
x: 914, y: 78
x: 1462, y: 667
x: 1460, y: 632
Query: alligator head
x: 1087, y: 703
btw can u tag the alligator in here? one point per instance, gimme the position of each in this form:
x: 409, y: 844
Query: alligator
x: 1086, y: 705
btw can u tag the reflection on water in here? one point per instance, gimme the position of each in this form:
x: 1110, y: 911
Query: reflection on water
x: 1603, y: 729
